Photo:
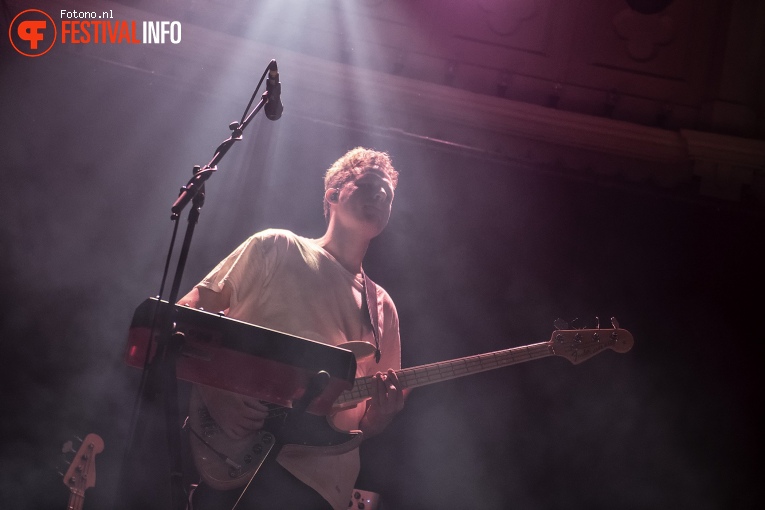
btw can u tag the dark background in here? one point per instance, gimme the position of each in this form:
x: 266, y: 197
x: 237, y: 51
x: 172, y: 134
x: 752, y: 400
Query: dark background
x: 479, y: 256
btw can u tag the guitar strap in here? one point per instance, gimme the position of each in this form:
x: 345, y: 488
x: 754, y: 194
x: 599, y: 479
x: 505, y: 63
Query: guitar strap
x: 369, y: 297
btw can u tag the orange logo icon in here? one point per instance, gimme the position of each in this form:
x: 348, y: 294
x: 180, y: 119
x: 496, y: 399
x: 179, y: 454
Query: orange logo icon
x: 32, y: 33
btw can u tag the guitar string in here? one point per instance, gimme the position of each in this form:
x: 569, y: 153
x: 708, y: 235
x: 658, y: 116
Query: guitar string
x: 441, y: 371
x: 435, y: 372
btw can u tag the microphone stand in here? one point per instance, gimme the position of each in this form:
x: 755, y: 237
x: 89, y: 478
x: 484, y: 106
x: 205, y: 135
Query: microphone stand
x: 160, y: 373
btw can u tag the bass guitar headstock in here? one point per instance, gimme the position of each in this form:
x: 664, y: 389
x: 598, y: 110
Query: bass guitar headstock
x: 81, y: 473
x: 578, y: 345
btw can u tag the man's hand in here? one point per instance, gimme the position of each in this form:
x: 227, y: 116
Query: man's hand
x: 387, y: 400
x: 237, y: 415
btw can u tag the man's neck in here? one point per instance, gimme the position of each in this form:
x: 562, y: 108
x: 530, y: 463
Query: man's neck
x: 347, y: 247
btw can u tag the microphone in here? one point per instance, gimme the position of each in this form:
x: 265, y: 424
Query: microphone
x: 273, y: 107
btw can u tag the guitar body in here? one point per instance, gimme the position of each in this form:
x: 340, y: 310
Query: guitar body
x: 225, y: 463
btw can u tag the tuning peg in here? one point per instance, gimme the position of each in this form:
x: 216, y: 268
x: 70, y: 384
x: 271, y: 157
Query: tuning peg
x: 560, y: 324
x: 68, y: 447
x: 614, y: 323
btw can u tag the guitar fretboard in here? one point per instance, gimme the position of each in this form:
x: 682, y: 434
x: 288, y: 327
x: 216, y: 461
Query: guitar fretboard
x: 452, y: 369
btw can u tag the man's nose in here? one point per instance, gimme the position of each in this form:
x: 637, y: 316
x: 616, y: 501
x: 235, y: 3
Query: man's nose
x: 380, y: 195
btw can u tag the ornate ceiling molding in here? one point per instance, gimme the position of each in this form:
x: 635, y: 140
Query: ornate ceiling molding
x: 500, y: 128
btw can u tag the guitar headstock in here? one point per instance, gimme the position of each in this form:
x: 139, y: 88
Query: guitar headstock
x: 81, y: 474
x: 578, y: 345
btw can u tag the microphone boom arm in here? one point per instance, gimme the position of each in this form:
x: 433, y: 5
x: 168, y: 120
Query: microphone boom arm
x: 197, y: 181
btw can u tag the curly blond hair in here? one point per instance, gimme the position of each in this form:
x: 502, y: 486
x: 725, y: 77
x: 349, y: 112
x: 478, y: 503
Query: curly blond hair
x: 351, y: 164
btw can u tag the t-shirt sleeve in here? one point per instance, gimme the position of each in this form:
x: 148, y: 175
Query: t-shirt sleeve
x: 244, y: 268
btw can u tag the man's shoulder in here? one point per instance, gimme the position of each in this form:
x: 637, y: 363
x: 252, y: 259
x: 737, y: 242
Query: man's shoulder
x: 384, y: 298
x: 281, y: 241
x: 275, y: 236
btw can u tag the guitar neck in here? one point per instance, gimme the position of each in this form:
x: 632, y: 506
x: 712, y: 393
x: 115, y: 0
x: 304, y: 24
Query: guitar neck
x: 446, y: 370
x: 76, y: 500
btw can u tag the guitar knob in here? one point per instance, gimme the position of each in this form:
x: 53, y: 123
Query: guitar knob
x: 614, y: 323
x: 560, y: 324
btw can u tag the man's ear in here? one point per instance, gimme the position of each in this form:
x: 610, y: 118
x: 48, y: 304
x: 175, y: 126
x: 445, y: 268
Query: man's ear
x: 332, y: 195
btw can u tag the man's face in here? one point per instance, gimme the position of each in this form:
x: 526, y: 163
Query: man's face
x: 365, y: 203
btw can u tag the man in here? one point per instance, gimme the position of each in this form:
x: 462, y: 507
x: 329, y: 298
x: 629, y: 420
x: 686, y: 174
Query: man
x: 315, y: 289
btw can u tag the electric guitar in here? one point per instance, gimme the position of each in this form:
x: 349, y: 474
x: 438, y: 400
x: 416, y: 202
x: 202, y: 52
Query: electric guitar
x: 81, y: 474
x: 225, y: 463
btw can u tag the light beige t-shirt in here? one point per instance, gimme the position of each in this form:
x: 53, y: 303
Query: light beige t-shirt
x: 289, y: 283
